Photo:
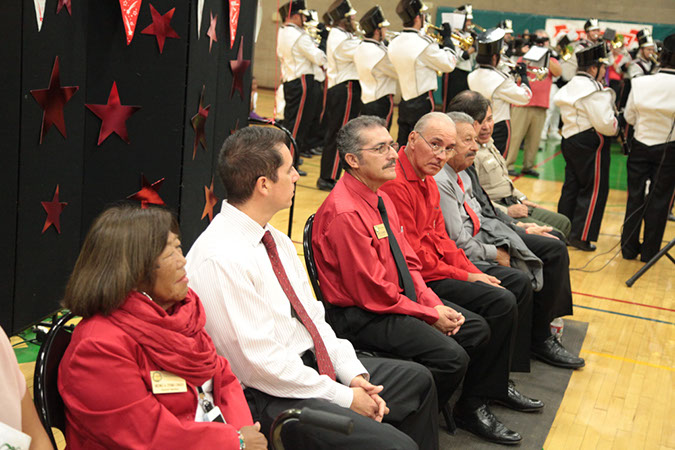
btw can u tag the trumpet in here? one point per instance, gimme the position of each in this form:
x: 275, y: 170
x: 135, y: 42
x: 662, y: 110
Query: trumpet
x: 653, y: 58
x: 465, y: 43
x: 617, y: 42
x: 566, y: 52
x: 389, y: 35
x: 475, y: 26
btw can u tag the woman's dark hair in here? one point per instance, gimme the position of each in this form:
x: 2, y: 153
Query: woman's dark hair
x: 119, y: 254
x: 247, y: 155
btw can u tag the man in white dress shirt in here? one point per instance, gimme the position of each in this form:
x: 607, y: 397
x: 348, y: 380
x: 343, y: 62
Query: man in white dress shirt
x: 417, y: 58
x: 651, y: 110
x: 344, y: 91
x: 587, y: 111
x: 376, y: 73
x: 501, y: 89
x: 261, y: 313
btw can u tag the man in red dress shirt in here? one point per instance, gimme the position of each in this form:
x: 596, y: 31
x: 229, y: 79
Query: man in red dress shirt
x: 369, y: 271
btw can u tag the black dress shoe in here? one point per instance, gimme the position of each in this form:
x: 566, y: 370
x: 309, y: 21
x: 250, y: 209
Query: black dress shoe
x: 316, y: 151
x: 306, y: 154
x: 301, y: 172
x: 552, y: 352
x: 519, y: 402
x: 513, y: 173
x: 586, y: 246
x: 531, y: 172
x: 325, y: 185
x: 671, y: 217
x: 484, y: 424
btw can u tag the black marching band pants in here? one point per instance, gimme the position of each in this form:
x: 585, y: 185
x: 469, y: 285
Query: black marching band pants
x: 342, y: 104
x: 584, y: 192
x: 643, y: 164
x: 410, y: 111
x: 383, y: 107
x: 297, y: 94
x: 502, y: 136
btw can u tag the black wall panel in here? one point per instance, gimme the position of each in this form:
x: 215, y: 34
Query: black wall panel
x: 93, y: 54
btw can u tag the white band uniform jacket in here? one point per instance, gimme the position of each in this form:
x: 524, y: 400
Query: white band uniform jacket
x: 340, y: 48
x: 500, y: 89
x: 298, y: 53
x: 585, y: 104
x: 376, y: 72
x: 417, y: 59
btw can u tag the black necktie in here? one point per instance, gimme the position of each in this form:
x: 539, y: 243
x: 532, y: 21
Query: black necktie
x: 404, y: 277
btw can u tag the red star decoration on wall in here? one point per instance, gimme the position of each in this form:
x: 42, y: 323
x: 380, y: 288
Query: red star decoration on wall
x: 161, y: 27
x: 198, y: 121
x: 210, y: 200
x: 53, y: 209
x: 113, y: 116
x: 65, y: 3
x: 239, y: 67
x: 212, y: 30
x: 148, y: 193
x: 52, y: 100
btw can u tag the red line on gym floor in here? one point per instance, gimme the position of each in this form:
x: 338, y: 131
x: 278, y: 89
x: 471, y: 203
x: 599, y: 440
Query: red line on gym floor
x: 623, y: 301
x: 543, y: 162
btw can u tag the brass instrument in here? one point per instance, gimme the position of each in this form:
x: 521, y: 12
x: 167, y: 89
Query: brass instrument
x: 311, y: 25
x: 537, y: 73
x: 475, y: 26
x: 433, y: 32
x: 617, y: 42
x: 566, y: 52
x: 653, y: 58
x: 465, y: 43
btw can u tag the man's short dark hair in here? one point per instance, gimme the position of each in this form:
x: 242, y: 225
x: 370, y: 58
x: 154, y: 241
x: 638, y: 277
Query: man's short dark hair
x: 349, y: 137
x: 471, y: 102
x: 247, y: 155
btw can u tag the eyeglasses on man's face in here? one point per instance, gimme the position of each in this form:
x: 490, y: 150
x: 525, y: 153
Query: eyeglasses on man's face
x: 437, y: 149
x: 383, y: 148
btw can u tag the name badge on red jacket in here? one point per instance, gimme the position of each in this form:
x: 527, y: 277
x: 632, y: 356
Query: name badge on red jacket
x: 167, y: 383
x: 380, y: 231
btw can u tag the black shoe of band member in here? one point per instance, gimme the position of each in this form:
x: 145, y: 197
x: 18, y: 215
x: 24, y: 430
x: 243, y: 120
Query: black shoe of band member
x: 518, y: 402
x: 301, y: 172
x: 586, y: 246
x: 552, y: 352
x: 530, y: 172
x: 481, y: 422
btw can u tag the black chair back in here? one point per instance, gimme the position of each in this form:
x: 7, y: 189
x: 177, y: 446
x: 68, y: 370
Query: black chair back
x: 46, y: 395
x: 309, y: 258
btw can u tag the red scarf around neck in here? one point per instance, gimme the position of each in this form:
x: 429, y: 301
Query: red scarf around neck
x: 175, y: 340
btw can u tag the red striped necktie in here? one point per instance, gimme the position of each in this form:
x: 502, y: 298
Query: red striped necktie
x: 470, y: 212
x: 322, y: 358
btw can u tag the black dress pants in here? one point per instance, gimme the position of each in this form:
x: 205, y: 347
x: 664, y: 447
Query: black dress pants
x: 502, y: 136
x: 643, y: 164
x: 410, y: 111
x: 584, y: 192
x: 342, y: 104
x: 499, y: 309
x: 297, y: 94
x: 407, y: 337
x: 411, y: 423
x: 518, y: 283
x: 555, y: 297
x: 383, y: 107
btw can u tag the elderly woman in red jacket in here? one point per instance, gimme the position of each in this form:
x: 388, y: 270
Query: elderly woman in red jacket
x: 140, y: 371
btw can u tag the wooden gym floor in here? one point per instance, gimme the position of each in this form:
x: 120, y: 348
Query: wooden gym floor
x: 624, y: 396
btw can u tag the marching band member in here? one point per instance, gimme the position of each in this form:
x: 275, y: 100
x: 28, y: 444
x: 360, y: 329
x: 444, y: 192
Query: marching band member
x: 376, y: 73
x: 344, y: 91
x: 455, y: 81
x: 298, y: 55
x: 416, y: 58
x: 587, y: 110
x: 501, y: 89
x: 644, y: 62
x: 651, y: 110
